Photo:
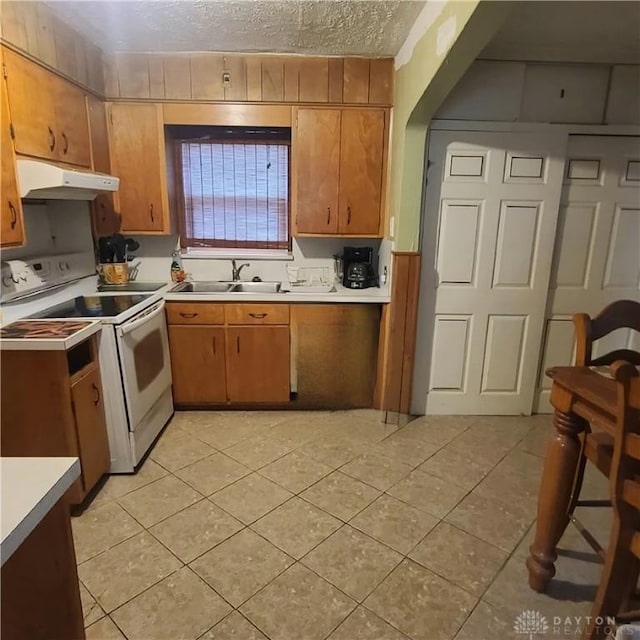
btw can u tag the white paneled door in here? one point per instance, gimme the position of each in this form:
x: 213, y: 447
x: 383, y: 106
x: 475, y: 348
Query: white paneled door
x: 495, y: 197
x: 597, y: 256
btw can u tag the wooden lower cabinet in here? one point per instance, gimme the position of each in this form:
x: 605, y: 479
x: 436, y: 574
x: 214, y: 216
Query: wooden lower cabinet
x: 229, y: 353
x: 91, y: 426
x: 52, y: 405
x: 258, y: 366
x: 39, y: 583
x: 197, y: 364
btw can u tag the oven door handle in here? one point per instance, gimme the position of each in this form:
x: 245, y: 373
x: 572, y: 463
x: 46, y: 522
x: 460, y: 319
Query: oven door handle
x: 149, y: 315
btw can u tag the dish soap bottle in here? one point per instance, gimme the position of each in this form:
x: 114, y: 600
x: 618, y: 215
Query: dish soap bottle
x: 177, y: 272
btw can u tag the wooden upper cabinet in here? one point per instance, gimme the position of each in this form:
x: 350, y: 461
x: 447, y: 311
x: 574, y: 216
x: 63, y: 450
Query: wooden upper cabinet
x: 11, y: 226
x: 136, y: 146
x: 338, y: 168
x: 316, y: 160
x: 71, y: 125
x: 361, y: 160
x: 106, y: 221
x: 31, y: 103
x: 99, y: 134
x: 49, y: 115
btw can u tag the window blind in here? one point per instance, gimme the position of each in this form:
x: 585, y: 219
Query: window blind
x: 235, y: 194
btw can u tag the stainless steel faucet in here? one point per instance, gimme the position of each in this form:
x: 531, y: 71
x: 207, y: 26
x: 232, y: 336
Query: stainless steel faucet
x: 235, y: 271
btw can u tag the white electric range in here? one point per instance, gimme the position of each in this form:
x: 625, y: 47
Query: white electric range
x: 133, y: 343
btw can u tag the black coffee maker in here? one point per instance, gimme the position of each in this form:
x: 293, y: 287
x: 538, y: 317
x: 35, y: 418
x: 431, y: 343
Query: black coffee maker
x: 358, y: 271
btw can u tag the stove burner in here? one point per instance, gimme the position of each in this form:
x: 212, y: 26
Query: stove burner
x: 91, y: 307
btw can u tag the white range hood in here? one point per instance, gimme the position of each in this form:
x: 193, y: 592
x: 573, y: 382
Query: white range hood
x: 47, y: 181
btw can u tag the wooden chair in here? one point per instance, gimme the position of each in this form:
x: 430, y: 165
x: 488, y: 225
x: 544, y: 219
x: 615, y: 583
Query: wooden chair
x: 622, y: 559
x: 598, y: 447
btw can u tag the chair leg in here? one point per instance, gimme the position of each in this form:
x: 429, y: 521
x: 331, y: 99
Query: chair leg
x: 615, y: 584
x: 633, y: 594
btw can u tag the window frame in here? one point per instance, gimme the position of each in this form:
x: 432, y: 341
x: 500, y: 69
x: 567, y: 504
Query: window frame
x: 225, y: 248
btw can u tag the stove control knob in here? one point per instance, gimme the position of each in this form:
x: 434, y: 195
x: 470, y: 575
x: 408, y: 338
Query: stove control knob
x: 23, y: 276
x: 63, y: 266
x: 7, y: 281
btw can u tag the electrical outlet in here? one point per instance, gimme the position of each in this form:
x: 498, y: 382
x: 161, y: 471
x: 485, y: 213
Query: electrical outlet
x: 226, y: 79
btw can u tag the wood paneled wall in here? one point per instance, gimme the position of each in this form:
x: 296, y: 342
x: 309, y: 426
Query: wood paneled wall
x: 251, y: 78
x: 33, y: 28
x: 398, y: 335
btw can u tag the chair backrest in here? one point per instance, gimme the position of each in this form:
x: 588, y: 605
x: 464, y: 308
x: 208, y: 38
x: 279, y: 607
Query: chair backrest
x: 618, y: 315
x: 625, y: 466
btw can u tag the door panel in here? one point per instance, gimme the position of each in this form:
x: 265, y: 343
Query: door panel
x: 317, y: 167
x: 197, y: 364
x: 597, y: 253
x: 450, y: 353
x: 503, y: 353
x: 516, y: 244
x: 493, y: 200
x: 459, y: 225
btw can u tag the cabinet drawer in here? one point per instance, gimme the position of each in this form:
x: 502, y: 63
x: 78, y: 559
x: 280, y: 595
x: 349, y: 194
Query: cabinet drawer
x: 194, y: 313
x: 257, y: 313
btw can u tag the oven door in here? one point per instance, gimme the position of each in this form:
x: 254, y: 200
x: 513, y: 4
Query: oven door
x: 143, y: 348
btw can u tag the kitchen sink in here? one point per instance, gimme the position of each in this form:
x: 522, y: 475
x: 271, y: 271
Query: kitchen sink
x: 256, y: 287
x: 227, y: 287
x: 203, y: 287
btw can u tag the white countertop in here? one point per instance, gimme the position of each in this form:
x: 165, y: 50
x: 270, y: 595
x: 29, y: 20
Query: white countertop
x: 51, y: 343
x: 372, y: 295
x: 29, y: 488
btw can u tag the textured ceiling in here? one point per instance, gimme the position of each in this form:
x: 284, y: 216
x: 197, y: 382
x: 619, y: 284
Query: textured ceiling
x: 569, y: 31
x: 313, y: 27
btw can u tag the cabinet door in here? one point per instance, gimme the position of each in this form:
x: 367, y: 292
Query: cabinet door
x: 136, y: 146
x: 71, y: 124
x: 11, y: 206
x: 258, y: 366
x: 317, y: 158
x: 106, y: 221
x: 361, y: 156
x: 91, y: 428
x: 31, y: 104
x: 197, y: 364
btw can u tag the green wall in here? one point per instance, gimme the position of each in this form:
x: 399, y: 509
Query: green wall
x: 420, y: 87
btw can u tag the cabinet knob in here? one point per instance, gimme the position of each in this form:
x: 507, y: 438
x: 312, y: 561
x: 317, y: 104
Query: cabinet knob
x: 328, y: 215
x: 14, y: 215
x: 52, y: 139
x: 151, y: 212
x: 65, y: 140
x: 188, y: 315
x: 214, y: 345
x: 238, y: 344
x: 96, y: 398
x: 258, y: 316
x: 348, y: 215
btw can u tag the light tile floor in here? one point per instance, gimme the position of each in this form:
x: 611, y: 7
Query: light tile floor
x: 305, y: 526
